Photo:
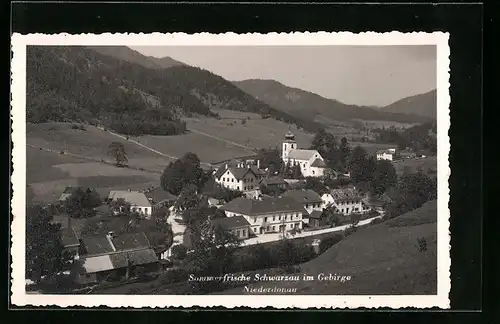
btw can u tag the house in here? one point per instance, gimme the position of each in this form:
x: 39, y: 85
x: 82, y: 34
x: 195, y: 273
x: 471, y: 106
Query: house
x: 237, y: 178
x: 159, y: 198
x: 317, y: 219
x: 407, y: 154
x: 267, y: 215
x: 110, y: 256
x: 296, y: 183
x: 385, y: 155
x: 345, y: 200
x: 310, y: 161
x: 137, y: 200
x: 237, y: 225
x: 70, y: 241
x: 274, y: 182
x: 309, y: 199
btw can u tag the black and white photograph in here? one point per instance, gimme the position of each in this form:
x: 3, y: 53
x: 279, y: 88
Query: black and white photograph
x: 292, y: 170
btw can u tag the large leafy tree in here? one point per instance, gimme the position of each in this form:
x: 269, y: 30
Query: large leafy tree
x: 81, y: 203
x: 45, y: 254
x: 357, y: 164
x: 117, y: 151
x: 182, y: 172
x: 384, y: 177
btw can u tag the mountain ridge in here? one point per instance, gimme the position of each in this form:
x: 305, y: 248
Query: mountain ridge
x: 423, y: 104
x: 304, y: 103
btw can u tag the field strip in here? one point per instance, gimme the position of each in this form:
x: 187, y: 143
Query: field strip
x: 223, y: 140
x: 88, y: 158
x: 147, y: 147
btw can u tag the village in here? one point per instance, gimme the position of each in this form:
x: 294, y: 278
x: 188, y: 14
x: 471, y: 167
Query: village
x: 130, y: 235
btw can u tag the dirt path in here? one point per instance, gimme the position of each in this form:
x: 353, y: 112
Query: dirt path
x: 223, y: 140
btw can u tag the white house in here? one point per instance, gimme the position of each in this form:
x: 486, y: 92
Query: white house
x: 386, y: 154
x: 345, y: 200
x: 310, y: 161
x: 267, y: 215
x: 237, y: 178
x: 137, y: 200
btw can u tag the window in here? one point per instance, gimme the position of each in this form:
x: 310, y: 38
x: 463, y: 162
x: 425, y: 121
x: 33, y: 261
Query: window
x: 313, y: 171
x: 244, y: 188
x: 232, y: 180
x: 243, y: 232
x: 238, y: 187
x: 307, y: 205
x: 255, y: 219
x: 265, y: 219
x: 274, y: 218
x: 291, y: 225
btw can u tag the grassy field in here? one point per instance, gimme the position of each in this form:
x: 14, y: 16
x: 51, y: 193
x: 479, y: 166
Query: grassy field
x: 49, y: 173
x: 424, y: 164
x: 380, y: 259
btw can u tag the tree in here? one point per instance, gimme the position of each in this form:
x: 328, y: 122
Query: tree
x: 344, y: 151
x: 182, y: 172
x: 117, y: 151
x: 360, y: 166
x: 316, y: 185
x: 81, y: 203
x: 384, y: 177
x: 271, y: 159
x: 45, y: 254
x: 413, y: 190
x: 188, y: 198
x: 179, y: 251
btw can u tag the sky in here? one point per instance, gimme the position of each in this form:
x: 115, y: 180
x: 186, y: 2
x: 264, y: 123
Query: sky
x: 361, y: 75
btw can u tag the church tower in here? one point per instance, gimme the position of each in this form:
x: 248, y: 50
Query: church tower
x: 288, y: 144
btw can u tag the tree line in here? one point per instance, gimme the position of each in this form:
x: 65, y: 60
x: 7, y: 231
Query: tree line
x: 418, y: 138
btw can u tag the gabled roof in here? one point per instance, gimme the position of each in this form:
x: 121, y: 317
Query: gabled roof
x: 158, y: 195
x: 133, y: 197
x: 385, y: 152
x: 69, y: 237
x: 344, y: 194
x: 230, y: 222
x: 97, y: 244
x: 93, y: 264
x: 316, y: 214
x: 303, y: 196
x: 238, y: 173
x: 318, y: 163
x: 129, y: 241
x: 259, y: 207
x: 302, y: 154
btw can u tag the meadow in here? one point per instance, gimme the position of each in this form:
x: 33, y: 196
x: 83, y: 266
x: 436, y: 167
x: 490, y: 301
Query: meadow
x: 380, y: 259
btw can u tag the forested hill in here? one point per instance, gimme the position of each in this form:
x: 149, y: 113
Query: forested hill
x: 422, y: 105
x: 127, y: 54
x: 74, y: 83
x: 310, y: 105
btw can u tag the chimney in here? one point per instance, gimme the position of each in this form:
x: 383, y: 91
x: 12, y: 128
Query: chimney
x: 129, y: 190
x: 258, y: 164
x: 226, y: 166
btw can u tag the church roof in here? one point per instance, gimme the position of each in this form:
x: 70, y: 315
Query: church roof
x: 302, y: 154
x: 318, y: 163
x: 289, y: 136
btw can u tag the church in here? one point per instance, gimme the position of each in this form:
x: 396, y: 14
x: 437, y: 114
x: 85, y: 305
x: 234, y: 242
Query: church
x: 310, y: 161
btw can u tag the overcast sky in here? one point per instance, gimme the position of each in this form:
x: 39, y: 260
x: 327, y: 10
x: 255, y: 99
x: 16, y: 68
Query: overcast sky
x: 362, y: 75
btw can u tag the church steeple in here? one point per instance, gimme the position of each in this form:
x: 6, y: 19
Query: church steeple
x: 288, y: 144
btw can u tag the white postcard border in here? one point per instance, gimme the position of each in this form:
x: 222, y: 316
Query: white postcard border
x: 18, y: 113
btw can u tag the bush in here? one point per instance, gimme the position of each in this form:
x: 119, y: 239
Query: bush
x: 349, y: 230
x: 174, y: 275
x: 377, y: 221
x: 179, y: 251
x: 422, y: 244
x: 329, y: 241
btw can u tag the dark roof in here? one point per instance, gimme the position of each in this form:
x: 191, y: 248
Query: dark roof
x: 316, y: 214
x: 345, y: 194
x: 158, y: 195
x: 97, y: 244
x: 71, y: 189
x: 238, y: 173
x: 274, y: 181
x: 318, y: 163
x: 138, y: 257
x: 69, y: 237
x: 258, y: 207
x: 128, y: 241
x: 303, y: 196
x: 230, y: 222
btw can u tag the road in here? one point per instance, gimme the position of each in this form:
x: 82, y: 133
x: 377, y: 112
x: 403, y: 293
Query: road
x: 265, y: 238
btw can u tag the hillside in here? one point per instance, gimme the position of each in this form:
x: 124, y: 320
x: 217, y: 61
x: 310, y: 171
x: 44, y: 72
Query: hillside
x: 315, y: 107
x: 422, y: 105
x: 127, y: 54
x: 381, y: 259
x: 74, y: 83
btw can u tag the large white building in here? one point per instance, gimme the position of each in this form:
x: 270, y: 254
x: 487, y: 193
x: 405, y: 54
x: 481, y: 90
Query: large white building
x: 267, y: 215
x: 310, y: 161
x: 386, y: 154
x: 309, y: 199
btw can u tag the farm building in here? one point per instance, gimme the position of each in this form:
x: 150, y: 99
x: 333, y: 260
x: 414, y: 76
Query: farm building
x: 237, y: 225
x: 309, y: 199
x: 274, y: 182
x: 345, y: 200
x: 388, y: 155
x: 137, y: 200
x: 159, y: 198
x: 110, y: 256
x: 237, y: 178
